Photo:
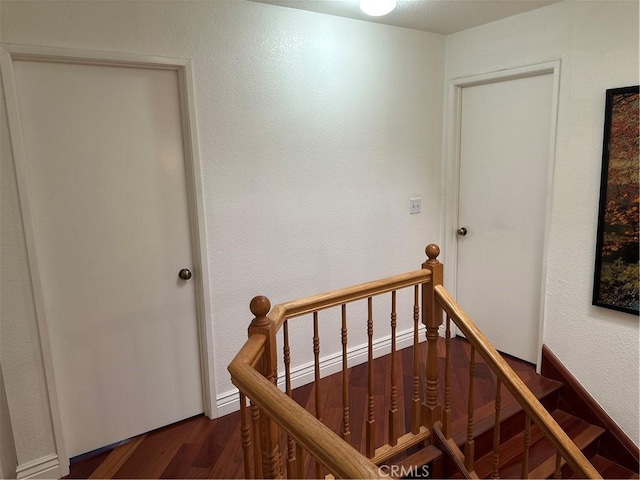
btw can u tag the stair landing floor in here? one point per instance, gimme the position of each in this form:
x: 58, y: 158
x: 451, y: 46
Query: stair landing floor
x: 201, y: 448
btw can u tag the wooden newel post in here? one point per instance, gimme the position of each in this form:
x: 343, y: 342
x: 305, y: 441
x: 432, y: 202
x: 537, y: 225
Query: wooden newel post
x: 432, y: 319
x: 268, y: 367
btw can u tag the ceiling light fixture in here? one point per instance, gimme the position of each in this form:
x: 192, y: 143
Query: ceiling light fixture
x: 377, y: 8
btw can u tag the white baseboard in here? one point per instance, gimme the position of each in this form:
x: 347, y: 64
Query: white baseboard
x: 229, y: 402
x: 47, y: 467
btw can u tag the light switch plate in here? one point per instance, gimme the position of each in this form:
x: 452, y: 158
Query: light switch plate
x: 415, y: 205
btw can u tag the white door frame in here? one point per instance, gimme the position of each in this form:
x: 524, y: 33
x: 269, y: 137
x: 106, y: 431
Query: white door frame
x: 10, y: 53
x: 451, y: 171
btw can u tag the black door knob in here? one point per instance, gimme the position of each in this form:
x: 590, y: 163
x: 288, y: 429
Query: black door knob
x: 184, y: 274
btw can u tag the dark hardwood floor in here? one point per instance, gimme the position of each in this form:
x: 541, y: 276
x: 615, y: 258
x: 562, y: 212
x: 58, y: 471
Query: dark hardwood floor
x: 203, y: 448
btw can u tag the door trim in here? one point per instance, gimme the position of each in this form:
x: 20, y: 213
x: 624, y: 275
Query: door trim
x: 10, y: 53
x: 451, y: 170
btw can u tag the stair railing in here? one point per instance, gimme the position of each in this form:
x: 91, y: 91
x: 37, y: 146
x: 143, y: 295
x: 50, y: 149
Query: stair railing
x: 280, y: 437
x: 567, y: 451
x: 255, y: 372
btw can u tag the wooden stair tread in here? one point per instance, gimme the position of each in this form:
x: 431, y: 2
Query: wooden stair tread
x: 610, y: 469
x: 542, y: 454
x: 422, y: 457
x: 582, y: 440
x: 484, y: 415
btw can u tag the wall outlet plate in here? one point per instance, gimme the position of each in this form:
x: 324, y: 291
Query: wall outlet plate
x: 415, y: 205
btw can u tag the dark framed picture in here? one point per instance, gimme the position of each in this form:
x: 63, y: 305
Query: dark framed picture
x: 616, y: 274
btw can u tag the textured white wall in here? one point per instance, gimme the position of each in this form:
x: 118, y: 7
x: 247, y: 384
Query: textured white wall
x: 314, y: 133
x: 597, y: 42
x: 7, y: 448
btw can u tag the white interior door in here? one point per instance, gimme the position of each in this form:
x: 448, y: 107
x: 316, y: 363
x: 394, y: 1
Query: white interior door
x: 106, y: 177
x: 504, y: 159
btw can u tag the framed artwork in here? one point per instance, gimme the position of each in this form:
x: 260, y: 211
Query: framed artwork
x: 616, y: 271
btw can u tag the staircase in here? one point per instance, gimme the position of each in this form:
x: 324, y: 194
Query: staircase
x: 485, y: 423
x: 430, y: 462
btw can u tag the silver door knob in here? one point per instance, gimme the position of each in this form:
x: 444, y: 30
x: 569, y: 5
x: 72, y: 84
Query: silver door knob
x: 462, y: 231
x: 184, y: 274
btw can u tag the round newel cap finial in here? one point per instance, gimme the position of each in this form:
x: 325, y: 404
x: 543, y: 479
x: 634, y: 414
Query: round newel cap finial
x: 432, y: 251
x: 260, y: 306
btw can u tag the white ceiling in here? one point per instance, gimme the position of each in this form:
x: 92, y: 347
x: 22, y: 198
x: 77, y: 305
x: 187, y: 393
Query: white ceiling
x: 437, y: 16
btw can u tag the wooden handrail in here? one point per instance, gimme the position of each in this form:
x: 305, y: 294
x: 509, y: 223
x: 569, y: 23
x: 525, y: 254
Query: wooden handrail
x: 517, y: 387
x: 322, y: 443
x: 251, y: 351
x: 323, y: 301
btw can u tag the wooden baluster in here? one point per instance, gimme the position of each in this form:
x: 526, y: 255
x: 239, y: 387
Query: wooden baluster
x: 300, y: 464
x: 316, y: 360
x: 346, y: 433
x: 432, y: 318
x: 558, y: 471
x: 446, y: 414
x: 291, y: 447
x: 527, y: 443
x: 257, y: 449
x: 469, y: 445
x: 371, y: 422
x: 496, y: 432
x: 393, y: 411
x: 415, y: 399
x: 318, y: 397
x: 245, y: 435
x: 268, y: 367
